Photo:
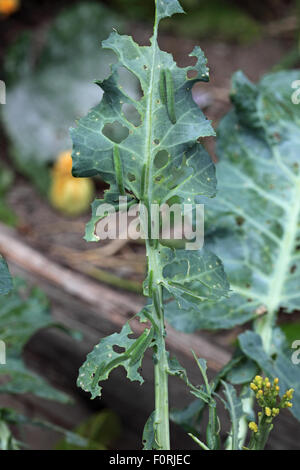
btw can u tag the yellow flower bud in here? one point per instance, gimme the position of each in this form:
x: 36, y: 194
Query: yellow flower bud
x: 289, y: 404
x: 253, y: 387
x: 276, y: 380
x: 253, y: 426
x: 268, y: 411
x: 275, y: 412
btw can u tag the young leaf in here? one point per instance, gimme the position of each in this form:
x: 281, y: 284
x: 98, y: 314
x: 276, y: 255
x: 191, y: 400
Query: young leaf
x: 149, y: 439
x: 235, y: 408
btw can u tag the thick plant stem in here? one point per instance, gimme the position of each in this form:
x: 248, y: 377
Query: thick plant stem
x: 162, y: 422
x: 162, y: 403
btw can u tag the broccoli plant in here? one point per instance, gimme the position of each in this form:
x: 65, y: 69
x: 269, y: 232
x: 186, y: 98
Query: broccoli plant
x: 159, y: 160
x: 153, y: 156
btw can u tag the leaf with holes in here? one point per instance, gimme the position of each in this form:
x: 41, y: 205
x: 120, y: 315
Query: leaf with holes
x: 253, y: 223
x: 125, y: 152
x: 104, y: 358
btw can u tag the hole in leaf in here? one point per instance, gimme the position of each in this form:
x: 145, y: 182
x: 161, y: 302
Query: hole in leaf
x: 130, y: 84
x: 156, y: 141
x: 118, y: 349
x: 191, y: 74
x: 159, y: 178
x: 132, y: 115
x: 131, y: 177
x: 239, y: 220
x: 115, y: 132
x: 293, y: 269
x: 161, y: 159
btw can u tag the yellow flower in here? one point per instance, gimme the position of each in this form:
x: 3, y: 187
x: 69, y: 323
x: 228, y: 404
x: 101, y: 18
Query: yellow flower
x: 70, y: 195
x: 7, y: 7
x: 253, y: 426
x: 268, y: 411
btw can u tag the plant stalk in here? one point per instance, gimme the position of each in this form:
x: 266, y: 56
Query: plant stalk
x: 162, y: 421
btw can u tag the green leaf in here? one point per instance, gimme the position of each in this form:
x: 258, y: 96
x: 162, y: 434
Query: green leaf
x: 20, y: 380
x: 281, y: 367
x: 104, y: 358
x: 243, y: 372
x: 5, y: 278
x: 291, y: 331
x: 235, y: 408
x: 165, y: 8
x: 192, y: 276
x: 157, y: 145
x: 253, y: 223
x: 22, y: 313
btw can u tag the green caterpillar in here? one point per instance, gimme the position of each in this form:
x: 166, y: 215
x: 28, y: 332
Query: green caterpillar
x: 141, y: 345
x: 166, y: 91
x: 118, y: 170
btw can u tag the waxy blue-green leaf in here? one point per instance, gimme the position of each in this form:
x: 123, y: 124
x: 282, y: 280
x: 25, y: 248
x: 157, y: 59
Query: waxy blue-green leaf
x: 192, y: 276
x: 5, y: 278
x: 19, y: 380
x: 22, y: 313
x: 104, y: 358
x: 167, y: 8
x: 158, y: 157
x: 253, y: 224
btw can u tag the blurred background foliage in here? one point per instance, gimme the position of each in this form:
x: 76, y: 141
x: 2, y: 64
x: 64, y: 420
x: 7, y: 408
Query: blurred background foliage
x: 50, y: 62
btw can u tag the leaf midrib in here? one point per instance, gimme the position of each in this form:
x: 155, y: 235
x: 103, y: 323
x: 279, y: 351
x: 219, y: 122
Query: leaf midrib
x: 285, y: 255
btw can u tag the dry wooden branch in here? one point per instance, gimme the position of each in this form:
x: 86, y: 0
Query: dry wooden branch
x: 115, y: 305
